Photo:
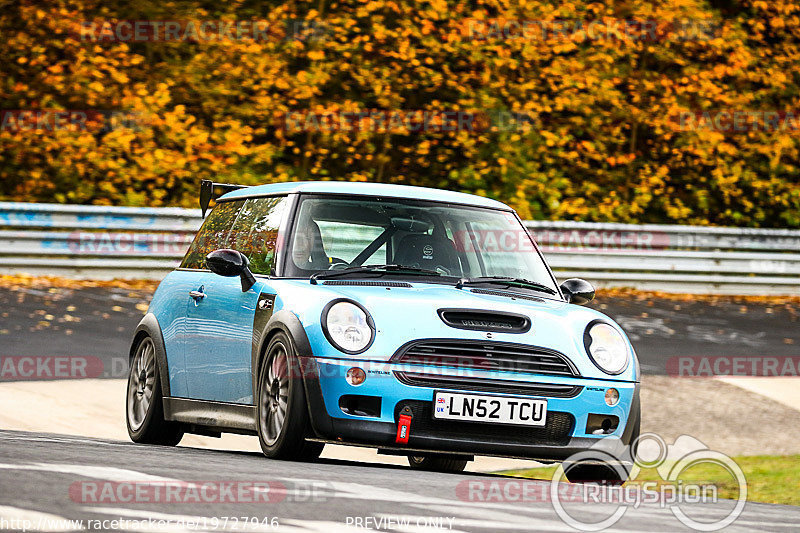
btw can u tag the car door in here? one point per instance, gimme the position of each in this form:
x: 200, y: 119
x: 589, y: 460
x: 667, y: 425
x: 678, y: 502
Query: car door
x: 179, y: 286
x: 219, y: 316
x: 219, y: 329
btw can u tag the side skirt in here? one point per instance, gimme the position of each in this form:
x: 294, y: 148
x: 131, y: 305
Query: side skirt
x: 204, y: 417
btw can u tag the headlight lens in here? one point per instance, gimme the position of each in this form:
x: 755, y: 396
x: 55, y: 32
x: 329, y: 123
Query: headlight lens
x: 348, y: 327
x: 607, y: 348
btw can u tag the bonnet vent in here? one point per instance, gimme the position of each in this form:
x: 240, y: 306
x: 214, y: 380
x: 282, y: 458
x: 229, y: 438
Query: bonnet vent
x: 475, y: 319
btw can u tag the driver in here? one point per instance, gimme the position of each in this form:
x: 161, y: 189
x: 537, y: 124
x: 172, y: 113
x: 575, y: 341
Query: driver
x: 308, y: 252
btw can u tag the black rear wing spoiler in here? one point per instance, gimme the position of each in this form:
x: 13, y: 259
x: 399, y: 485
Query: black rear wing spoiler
x: 210, y: 190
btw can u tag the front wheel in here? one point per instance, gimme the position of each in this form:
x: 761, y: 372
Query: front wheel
x: 283, y: 421
x: 144, y: 401
x: 437, y: 463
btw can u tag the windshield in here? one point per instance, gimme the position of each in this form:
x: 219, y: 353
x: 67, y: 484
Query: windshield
x: 449, y: 241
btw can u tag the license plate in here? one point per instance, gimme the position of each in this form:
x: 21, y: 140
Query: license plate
x: 491, y: 409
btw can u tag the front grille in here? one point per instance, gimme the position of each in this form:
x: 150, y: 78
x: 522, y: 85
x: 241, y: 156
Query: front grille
x: 485, y: 355
x: 437, y: 381
x: 556, y: 432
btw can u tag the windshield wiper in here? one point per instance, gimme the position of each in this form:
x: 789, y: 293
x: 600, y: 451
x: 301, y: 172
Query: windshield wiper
x: 373, y: 269
x: 506, y: 280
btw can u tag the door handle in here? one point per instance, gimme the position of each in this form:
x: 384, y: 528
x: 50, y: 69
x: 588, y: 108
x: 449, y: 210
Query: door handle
x: 198, y: 294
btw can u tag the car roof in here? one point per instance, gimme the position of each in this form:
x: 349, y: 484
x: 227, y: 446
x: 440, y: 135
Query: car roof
x: 366, y: 189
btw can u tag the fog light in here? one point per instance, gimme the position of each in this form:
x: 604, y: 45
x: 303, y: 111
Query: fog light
x: 356, y: 376
x: 612, y: 397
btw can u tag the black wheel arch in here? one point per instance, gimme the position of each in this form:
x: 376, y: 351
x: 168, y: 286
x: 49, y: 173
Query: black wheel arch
x: 631, y: 431
x: 287, y: 322
x: 149, y: 326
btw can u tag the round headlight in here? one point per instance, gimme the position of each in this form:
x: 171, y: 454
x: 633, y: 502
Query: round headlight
x: 347, y: 326
x: 606, y: 348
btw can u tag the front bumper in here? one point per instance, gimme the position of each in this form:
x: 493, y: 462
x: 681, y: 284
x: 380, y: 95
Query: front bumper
x: 564, y: 434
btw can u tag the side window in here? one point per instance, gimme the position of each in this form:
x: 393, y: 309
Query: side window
x: 213, y: 235
x: 255, y: 232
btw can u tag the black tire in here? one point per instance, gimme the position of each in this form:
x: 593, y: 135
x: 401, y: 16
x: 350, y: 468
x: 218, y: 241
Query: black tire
x: 437, y: 463
x: 144, y: 403
x: 634, y: 442
x: 280, y: 389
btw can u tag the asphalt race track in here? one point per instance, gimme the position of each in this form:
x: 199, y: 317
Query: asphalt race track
x: 47, y: 478
x: 98, y: 322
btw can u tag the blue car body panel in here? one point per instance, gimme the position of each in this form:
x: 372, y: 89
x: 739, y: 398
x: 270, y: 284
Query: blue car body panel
x: 209, y: 342
x: 405, y: 314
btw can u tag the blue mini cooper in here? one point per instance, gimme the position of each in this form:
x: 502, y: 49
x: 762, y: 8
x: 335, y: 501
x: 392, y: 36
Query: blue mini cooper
x: 420, y: 322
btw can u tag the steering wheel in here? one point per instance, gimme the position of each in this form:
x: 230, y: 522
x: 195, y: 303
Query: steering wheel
x: 338, y: 264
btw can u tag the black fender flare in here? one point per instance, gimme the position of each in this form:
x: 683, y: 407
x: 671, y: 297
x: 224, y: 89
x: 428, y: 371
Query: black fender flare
x: 149, y: 325
x: 287, y: 322
x: 631, y: 430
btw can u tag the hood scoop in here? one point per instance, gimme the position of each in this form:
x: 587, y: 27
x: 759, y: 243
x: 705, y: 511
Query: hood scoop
x: 480, y: 320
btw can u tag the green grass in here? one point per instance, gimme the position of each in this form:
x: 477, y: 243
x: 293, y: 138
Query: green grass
x: 770, y: 479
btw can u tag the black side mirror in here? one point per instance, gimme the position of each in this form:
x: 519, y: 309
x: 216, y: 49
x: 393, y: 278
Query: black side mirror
x: 578, y: 291
x: 229, y: 264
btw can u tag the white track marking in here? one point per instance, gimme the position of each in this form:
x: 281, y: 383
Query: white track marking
x: 519, y: 520
x: 360, y: 491
x: 14, y: 518
x: 106, y: 473
x: 488, y: 518
x: 319, y: 526
x: 764, y: 523
x: 67, y: 439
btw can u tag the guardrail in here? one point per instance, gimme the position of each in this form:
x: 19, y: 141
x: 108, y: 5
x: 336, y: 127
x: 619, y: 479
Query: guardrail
x: 126, y: 242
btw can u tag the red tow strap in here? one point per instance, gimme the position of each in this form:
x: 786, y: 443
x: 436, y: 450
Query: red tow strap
x: 404, y: 425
